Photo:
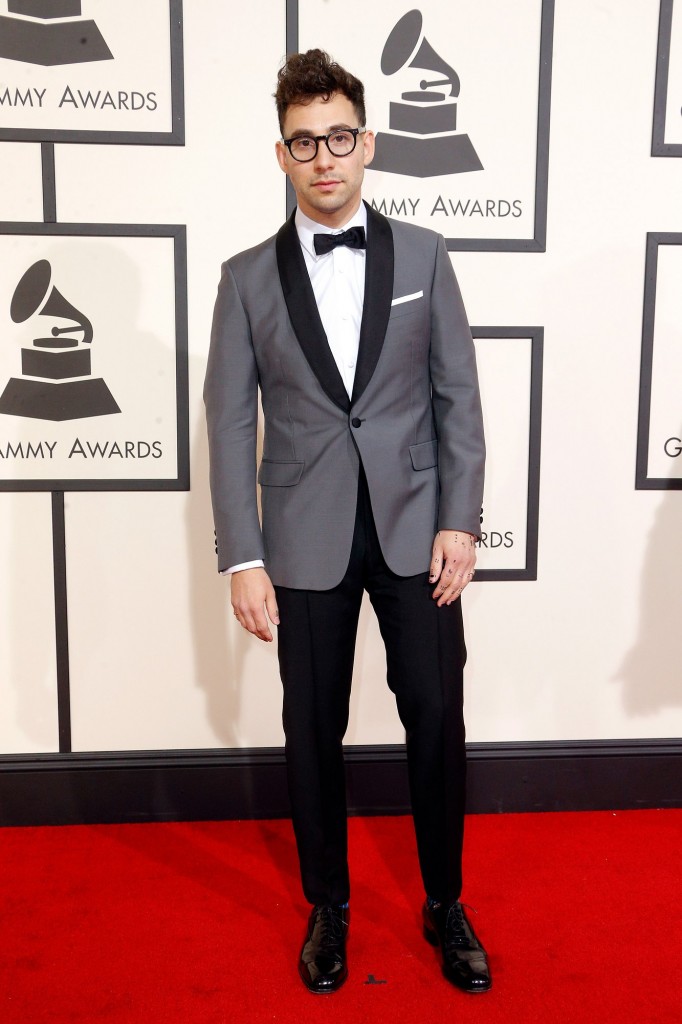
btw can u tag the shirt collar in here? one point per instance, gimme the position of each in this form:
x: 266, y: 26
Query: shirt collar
x: 307, y: 229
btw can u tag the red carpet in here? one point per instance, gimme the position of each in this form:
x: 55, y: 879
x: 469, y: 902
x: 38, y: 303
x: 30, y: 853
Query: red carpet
x: 202, y: 922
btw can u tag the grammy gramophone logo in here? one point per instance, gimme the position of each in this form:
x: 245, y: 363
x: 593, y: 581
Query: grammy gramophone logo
x: 50, y: 32
x: 56, y: 382
x: 423, y: 140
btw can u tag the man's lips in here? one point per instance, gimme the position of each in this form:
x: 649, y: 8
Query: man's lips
x: 326, y: 184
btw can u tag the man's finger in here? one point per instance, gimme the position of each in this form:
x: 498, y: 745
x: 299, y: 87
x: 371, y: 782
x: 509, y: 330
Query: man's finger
x: 253, y: 621
x: 446, y: 575
x: 260, y: 625
x: 452, y: 583
x: 436, y: 564
x: 272, y: 609
x: 451, y: 594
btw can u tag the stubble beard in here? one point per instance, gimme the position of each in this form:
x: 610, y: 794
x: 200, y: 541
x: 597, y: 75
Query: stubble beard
x: 331, y: 203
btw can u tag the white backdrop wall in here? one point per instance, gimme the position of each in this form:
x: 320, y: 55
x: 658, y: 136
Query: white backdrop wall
x: 592, y: 649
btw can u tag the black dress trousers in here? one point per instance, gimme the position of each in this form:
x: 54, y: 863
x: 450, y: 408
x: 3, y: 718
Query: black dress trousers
x: 425, y: 655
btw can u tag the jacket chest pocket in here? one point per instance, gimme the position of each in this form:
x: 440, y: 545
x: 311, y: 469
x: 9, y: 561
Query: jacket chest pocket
x: 408, y: 305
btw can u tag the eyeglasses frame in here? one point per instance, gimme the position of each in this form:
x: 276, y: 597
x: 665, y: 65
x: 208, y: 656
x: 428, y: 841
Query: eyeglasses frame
x: 317, y: 139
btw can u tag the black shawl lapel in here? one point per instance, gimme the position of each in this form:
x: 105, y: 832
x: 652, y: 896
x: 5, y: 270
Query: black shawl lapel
x: 304, y: 315
x: 378, y: 296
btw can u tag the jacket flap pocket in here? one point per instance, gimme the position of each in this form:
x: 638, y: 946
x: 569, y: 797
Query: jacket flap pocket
x: 424, y: 455
x: 279, y: 474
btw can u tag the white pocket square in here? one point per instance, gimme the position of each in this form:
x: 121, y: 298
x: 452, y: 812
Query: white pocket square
x: 407, y: 298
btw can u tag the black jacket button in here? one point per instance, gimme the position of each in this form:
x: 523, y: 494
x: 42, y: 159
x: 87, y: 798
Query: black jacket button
x: 355, y: 422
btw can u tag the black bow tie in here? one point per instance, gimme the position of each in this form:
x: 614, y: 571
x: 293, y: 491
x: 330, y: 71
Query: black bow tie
x: 354, y: 238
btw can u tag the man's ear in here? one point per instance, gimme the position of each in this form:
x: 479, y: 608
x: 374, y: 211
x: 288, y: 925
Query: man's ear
x: 368, y: 147
x: 281, y: 151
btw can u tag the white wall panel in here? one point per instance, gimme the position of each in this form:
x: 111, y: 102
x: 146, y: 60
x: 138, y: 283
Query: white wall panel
x: 21, y: 190
x: 185, y: 675
x: 156, y: 660
x: 28, y: 676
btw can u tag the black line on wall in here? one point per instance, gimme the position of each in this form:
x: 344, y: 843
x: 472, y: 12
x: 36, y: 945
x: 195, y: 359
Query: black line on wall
x: 292, y: 26
x: 177, y: 64
x: 58, y: 520
x: 646, y: 362
x: 659, y: 147
x: 181, y: 357
x: 534, y: 450
x: 61, y: 622
x: 544, y: 109
x: 49, y: 183
x: 291, y: 44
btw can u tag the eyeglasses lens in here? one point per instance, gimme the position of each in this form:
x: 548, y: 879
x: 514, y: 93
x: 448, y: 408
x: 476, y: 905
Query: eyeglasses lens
x: 304, y: 147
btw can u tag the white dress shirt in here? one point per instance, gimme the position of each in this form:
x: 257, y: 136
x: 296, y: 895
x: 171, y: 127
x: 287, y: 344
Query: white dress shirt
x: 338, y: 280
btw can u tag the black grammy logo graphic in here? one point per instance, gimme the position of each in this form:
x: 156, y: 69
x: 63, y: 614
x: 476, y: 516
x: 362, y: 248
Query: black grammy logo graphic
x: 428, y: 143
x: 56, y: 382
x: 39, y: 35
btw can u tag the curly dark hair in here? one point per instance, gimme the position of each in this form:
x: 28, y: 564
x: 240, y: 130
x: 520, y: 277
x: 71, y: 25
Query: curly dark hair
x: 313, y: 73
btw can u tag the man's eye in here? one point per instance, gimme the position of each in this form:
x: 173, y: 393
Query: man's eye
x: 303, y: 143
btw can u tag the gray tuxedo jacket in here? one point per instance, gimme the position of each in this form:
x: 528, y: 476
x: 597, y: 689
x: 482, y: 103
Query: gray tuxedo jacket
x: 414, y: 418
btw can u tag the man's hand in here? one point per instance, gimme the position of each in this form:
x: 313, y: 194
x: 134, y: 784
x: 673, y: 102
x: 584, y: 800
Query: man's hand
x: 452, y: 564
x: 252, y: 595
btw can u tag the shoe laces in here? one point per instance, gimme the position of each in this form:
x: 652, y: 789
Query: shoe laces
x: 331, y: 925
x: 456, y: 931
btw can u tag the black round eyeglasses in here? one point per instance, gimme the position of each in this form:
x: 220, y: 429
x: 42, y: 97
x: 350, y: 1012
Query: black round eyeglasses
x: 339, y: 143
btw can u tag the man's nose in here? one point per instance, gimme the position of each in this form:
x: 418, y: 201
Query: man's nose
x: 324, y: 159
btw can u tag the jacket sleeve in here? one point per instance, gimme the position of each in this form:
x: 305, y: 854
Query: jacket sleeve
x: 456, y: 403
x: 231, y: 397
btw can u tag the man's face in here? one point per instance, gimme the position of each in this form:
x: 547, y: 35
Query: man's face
x: 327, y: 187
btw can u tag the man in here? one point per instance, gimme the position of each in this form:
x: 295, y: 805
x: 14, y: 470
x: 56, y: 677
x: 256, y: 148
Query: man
x: 371, y: 479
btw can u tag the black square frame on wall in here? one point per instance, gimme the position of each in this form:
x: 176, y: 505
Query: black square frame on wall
x: 529, y: 569
x: 535, y: 239
x: 94, y: 388
x: 44, y: 72
x: 670, y: 439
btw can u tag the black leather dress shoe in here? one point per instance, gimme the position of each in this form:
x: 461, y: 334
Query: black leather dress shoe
x: 323, y: 958
x: 464, y: 959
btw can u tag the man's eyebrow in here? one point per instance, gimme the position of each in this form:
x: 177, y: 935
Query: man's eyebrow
x: 309, y: 134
